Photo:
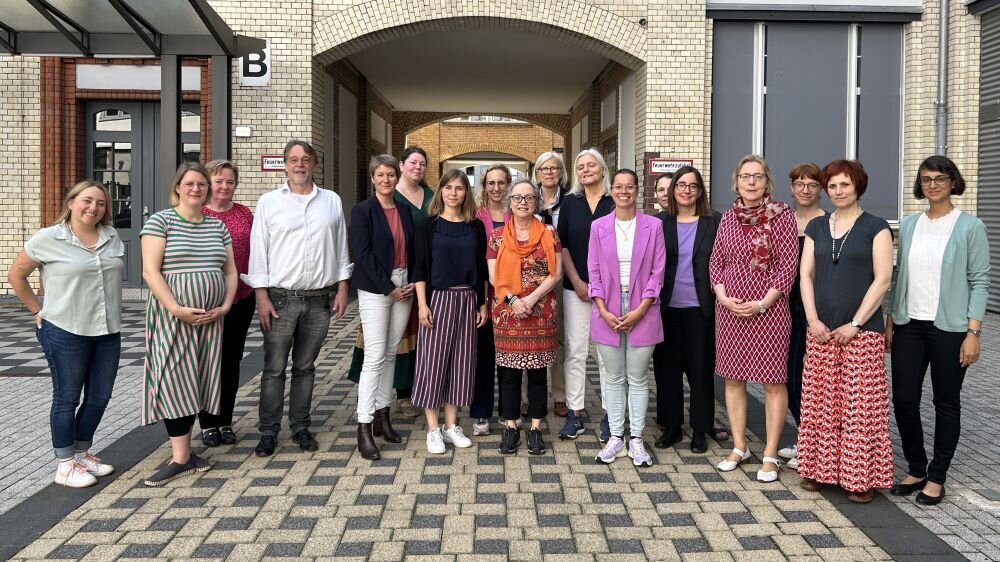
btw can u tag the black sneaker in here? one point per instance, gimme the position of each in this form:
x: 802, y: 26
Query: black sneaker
x: 228, y: 435
x: 211, y: 437
x: 266, y: 446
x: 509, y: 441
x: 200, y: 464
x: 536, y: 446
x: 169, y: 472
x: 305, y: 440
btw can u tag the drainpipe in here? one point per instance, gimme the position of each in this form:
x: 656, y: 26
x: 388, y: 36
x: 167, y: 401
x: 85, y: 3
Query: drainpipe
x: 942, y: 94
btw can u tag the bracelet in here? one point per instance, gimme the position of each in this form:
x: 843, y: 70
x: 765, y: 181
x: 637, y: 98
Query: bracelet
x: 37, y: 313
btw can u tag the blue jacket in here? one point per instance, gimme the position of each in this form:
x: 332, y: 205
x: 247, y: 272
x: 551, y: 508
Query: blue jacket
x: 964, y: 274
x: 374, y: 248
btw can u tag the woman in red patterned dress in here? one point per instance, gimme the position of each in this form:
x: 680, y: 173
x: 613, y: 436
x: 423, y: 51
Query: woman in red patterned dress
x: 752, y: 269
x: 846, y: 273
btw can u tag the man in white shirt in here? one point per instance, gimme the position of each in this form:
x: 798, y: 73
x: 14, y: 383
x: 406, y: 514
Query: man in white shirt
x: 299, y: 267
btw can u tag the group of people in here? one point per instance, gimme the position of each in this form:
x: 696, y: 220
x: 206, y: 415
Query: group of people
x: 458, y: 298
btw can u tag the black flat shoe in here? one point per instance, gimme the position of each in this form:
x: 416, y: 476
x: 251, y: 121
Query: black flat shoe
x: 211, y: 437
x: 228, y: 435
x: 669, y: 438
x: 907, y: 489
x: 924, y: 499
x: 698, y: 444
x: 305, y: 440
x: 266, y: 446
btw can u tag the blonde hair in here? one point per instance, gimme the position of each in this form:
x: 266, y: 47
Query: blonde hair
x: 596, y: 154
x: 484, y: 197
x: 437, y: 202
x: 77, y: 190
x: 185, y: 167
x: 768, y: 178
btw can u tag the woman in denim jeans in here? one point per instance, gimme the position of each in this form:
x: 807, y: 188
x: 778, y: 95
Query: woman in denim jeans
x: 626, y: 262
x: 80, y: 259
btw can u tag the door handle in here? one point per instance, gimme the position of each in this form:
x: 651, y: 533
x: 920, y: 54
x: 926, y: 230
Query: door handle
x: 145, y: 213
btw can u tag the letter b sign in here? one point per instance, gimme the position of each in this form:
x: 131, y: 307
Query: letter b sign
x: 255, y: 68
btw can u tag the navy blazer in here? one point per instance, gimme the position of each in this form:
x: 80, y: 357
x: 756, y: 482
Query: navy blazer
x: 374, y: 248
x: 704, y: 240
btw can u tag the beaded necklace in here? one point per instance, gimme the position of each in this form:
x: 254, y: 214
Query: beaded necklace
x: 833, y: 237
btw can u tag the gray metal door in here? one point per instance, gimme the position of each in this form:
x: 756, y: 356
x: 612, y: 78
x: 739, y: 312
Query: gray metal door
x: 121, y: 148
x: 989, y: 145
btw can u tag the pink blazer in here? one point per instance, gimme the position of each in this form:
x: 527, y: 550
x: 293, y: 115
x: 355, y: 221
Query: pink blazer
x: 649, y: 259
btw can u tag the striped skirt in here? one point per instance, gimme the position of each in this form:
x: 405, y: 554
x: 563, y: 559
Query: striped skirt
x: 183, y: 361
x: 446, y: 354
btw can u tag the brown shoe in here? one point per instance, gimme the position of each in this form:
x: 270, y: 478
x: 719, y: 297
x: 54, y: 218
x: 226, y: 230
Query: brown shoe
x: 407, y: 409
x: 861, y: 497
x: 811, y: 485
x: 366, y: 443
x: 382, y: 427
x: 560, y: 409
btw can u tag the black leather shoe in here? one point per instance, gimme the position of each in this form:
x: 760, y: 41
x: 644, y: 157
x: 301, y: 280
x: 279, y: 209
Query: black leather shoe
x: 266, y: 446
x: 698, y: 444
x: 924, y: 499
x: 907, y: 489
x: 211, y: 437
x: 669, y: 438
x: 228, y: 435
x: 305, y: 440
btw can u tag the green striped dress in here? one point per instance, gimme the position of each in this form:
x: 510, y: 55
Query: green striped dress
x: 182, y: 361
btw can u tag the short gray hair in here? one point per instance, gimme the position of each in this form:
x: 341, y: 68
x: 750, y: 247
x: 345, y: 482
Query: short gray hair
x: 535, y: 190
x: 550, y: 155
x: 386, y: 160
x: 596, y: 154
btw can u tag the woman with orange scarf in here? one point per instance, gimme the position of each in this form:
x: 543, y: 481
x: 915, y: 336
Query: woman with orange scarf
x: 525, y: 264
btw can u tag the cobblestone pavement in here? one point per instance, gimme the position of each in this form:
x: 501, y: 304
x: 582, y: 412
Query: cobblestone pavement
x: 476, y: 504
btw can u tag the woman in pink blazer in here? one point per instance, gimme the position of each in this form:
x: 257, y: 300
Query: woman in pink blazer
x: 626, y: 263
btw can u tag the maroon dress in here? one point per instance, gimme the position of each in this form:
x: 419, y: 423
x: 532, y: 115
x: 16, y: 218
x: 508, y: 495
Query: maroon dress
x: 753, y: 349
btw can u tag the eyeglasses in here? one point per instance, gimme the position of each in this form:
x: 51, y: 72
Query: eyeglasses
x: 938, y: 180
x: 524, y: 198
x: 623, y: 187
x: 295, y: 160
x: 688, y: 187
x: 748, y: 177
x: 549, y: 170
x: 809, y: 186
x: 496, y: 184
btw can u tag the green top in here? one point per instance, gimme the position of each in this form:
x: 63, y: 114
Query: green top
x: 964, y: 274
x: 191, y: 246
x: 419, y: 214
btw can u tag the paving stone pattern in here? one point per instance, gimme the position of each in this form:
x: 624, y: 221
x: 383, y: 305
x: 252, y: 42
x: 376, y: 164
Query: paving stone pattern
x: 478, y: 505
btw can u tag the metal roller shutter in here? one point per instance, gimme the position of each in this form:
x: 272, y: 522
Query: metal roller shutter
x: 989, y: 146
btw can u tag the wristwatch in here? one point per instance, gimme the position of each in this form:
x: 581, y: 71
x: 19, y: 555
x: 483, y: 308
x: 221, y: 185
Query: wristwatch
x: 977, y: 333
x: 761, y: 309
x: 855, y: 323
x: 509, y: 299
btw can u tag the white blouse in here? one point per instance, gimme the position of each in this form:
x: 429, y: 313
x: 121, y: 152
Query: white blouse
x: 923, y: 286
x: 624, y: 238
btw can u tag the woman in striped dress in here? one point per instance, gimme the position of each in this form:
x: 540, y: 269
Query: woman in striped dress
x: 187, y: 262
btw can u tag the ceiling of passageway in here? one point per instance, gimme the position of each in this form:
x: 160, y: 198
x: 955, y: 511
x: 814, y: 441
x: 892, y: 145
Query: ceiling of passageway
x: 480, y: 72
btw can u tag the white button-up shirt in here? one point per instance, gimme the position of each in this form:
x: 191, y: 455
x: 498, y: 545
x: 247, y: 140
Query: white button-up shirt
x: 298, y: 242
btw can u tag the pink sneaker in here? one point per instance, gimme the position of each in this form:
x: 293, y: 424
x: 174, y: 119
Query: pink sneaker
x: 74, y: 475
x: 94, y: 465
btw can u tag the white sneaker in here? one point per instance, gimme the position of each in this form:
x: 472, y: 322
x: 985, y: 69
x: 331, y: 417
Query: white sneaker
x: 74, y: 475
x: 769, y: 475
x: 435, y: 442
x: 792, y: 463
x: 456, y: 437
x: 788, y: 452
x: 94, y: 464
x: 481, y: 427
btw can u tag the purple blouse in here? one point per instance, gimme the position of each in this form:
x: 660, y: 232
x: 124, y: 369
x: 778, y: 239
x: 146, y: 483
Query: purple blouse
x: 684, y: 295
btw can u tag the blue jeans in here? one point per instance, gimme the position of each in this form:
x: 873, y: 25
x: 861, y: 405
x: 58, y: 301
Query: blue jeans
x: 300, y: 328
x: 78, y: 363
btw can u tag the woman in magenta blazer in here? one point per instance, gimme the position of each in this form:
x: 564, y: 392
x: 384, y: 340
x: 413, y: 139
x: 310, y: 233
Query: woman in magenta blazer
x: 626, y: 263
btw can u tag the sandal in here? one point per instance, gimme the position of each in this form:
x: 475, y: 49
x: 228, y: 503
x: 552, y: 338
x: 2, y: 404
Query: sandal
x: 720, y: 434
x: 727, y: 465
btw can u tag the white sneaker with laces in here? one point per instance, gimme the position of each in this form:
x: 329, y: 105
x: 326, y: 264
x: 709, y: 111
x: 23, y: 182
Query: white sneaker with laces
x: 456, y: 437
x: 792, y: 463
x: 481, y: 427
x: 74, y: 475
x: 94, y: 464
x: 788, y: 452
x: 435, y: 442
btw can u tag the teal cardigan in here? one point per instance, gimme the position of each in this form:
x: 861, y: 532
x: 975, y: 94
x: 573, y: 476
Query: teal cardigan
x: 964, y: 274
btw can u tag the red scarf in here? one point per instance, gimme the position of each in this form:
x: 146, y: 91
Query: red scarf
x: 760, y: 217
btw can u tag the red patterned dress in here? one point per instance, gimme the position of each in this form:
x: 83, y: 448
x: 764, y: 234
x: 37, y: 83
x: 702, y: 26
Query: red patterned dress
x: 529, y: 343
x: 755, y: 348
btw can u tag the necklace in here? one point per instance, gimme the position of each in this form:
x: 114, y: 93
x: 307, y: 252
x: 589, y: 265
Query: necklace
x: 625, y: 231
x: 833, y: 237
x: 90, y: 247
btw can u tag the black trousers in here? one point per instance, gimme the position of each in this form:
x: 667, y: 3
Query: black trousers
x: 179, y: 427
x: 486, y: 378
x: 796, y: 360
x: 234, y: 337
x: 915, y: 345
x: 688, y: 347
x: 510, y: 392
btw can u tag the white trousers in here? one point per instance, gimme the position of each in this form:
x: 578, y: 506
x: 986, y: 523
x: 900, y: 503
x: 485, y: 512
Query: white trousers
x: 576, y: 322
x: 383, y: 321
